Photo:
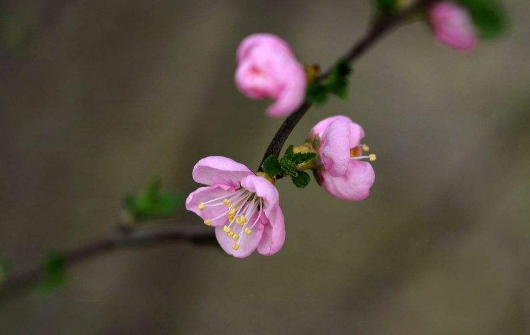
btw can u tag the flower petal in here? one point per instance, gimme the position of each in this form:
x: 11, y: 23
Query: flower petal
x: 274, y: 233
x: 356, y: 135
x: 251, y: 42
x: 453, y: 26
x: 203, y: 194
x: 354, y: 185
x: 335, y: 147
x: 247, y: 244
x: 263, y: 189
x: 220, y: 170
x: 293, y: 93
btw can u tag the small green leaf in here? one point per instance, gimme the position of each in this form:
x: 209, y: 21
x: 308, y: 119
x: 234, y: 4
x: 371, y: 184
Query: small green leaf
x: 317, y: 93
x: 303, y: 157
x: 302, y: 179
x: 54, y: 274
x: 271, y: 166
x: 290, y: 151
x: 288, y: 167
x: 153, y: 202
x: 385, y: 6
x: 5, y: 268
x: 489, y: 16
x: 337, y: 82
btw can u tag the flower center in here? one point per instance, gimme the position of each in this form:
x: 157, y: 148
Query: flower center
x: 357, y: 153
x: 243, y: 211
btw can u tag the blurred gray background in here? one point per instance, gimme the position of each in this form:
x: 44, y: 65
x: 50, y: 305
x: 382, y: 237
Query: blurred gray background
x: 98, y: 96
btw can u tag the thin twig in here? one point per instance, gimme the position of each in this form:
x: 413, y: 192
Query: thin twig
x: 121, y: 239
x: 139, y: 237
x: 380, y: 27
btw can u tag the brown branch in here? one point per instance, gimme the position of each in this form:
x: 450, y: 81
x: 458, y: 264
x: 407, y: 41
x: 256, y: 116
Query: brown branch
x: 140, y: 237
x: 380, y: 27
x: 123, y: 238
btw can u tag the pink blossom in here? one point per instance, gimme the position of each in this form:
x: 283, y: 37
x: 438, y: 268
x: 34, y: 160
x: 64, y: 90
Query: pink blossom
x: 267, y: 68
x: 343, y: 173
x: 243, y: 208
x: 452, y: 25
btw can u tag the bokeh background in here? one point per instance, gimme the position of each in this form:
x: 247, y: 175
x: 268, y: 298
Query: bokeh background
x: 96, y: 97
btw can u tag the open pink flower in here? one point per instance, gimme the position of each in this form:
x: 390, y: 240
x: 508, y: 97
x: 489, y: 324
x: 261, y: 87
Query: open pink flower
x: 343, y: 173
x: 267, y: 68
x: 452, y: 25
x: 243, y: 208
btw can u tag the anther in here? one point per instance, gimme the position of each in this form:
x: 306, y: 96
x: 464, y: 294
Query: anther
x: 208, y: 222
x: 235, y: 246
x: 365, y: 147
x: 226, y: 202
x: 226, y: 229
x: 231, y: 233
x: 201, y: 206
x: 372, y: 157
x: 235, y: 237
x: 248, y: 231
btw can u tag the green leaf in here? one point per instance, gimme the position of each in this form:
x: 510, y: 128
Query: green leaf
x: 5, y: 268
x: 385, y: 6
x: 489, y: 16
x: 54, y: 274
x: 153, y: 202
x: 271, y: 166
x: 317, y: 93
x: 303, y: 157
x: 337, y: 82
x: 302, y: 179
x: 288, y: 167
x: 290, y: 151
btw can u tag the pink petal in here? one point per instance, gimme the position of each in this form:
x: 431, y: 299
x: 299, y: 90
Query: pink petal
x: 293, y: 93
x: 274, y: 234
x: 219, y: 170
x: 452, y: 25
x: 249, y: 43
x: 335, y: 147
x: 248, y: 243
x: 263, y: 189
x: 354, y: 185
x: 203, y: 194
x: 356, y: 135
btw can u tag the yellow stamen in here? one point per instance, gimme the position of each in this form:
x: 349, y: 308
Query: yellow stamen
x: 372, y: 157
x: 241, y: 220
x: 201, y: 206
x: 231, y: 233
x: 208, y: 222
x: 226, y: 202
x: 235, y: 246
x: 365, y: 147
x: 226, y: 229
x: 232, y: 211
x: 235, y: 237
x: 248, y: 231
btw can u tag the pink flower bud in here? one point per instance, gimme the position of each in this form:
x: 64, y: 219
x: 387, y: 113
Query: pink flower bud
x: 267, y: 68
x: 345, y: 172
x: 452, y: 26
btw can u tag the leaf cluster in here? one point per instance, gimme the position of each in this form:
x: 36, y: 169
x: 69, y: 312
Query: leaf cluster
x: 336, y: 83
x: 286, y: 166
